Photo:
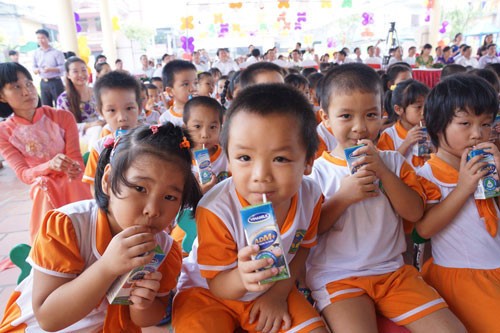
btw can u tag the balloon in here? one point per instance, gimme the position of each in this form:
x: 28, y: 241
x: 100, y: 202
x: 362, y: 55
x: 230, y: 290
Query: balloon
x: 114, y: 23
x: 283, y: 4
x: 187, y: 23
x: 224, y: 28
x: 282, y: 17
x: 298, y: 26
x: 326, y: 4
x: 77, y: 17
x: 235, y: 5
x: 78, y: 28
x: 301, y: 17
x: 218, y: 18
x: 347, y: 4
x: 443, y: 27
x: 367, y: 18
x: 330, y: 43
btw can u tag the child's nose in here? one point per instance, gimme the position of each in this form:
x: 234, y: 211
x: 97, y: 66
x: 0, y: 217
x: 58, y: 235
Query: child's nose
x: 261, y: 172
x: 152, y: 208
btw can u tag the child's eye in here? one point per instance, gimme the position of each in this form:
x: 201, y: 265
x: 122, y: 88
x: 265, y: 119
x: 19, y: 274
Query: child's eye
x: 243, y: 158
x: 170, y: 198
x: 140, y: 189
x: 465, y: 123
x: 213, y: 127
x: 345, y: 116
x: 197, y: 126
x: 372, y: 115
x: 131, y: 108
x: 281, y: 159
x: 487, y: 125
x: 110, y: 110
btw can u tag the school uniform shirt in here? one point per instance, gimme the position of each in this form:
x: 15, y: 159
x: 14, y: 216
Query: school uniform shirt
x: 71, y: 239
x: 171, y: 116
x: 219, y: 165
x: 368, y: 238
x: 95, y: 152
x: 221, y: 234
x: 149, y: 117
x: 327, y: 141
x: 393, y: 137
x: 464, y: 242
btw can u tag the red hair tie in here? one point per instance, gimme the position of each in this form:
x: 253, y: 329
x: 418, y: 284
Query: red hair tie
x: 185, y: 143
x: 109, y: 142
x: 154, y: 128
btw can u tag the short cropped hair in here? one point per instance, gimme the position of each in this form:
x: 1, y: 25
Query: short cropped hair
x: 248, y: 75
x: 457, y: 92
x: 116, y: 80
x: 452, y: 69
x: 42, y: 32
x: 347, y: 79
x: 206, y: 101
x: 174, y: 67
x: 275, y: 99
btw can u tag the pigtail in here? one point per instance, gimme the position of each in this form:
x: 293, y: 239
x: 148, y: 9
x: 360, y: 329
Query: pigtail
x: 224, y: 93
x: 392, y: 116
x: 102, y: 198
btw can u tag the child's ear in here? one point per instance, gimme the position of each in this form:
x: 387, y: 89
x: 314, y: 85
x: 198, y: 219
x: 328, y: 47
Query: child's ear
x: 169, y: 91
x: 105, y: 182
x: 309, y: 166
x: 399, y: 110
x: 324, y: 117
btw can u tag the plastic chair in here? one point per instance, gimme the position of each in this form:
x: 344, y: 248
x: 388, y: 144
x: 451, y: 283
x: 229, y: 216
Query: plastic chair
x: 18, y: 256
x: 85, y: 158
x: 187, y: 223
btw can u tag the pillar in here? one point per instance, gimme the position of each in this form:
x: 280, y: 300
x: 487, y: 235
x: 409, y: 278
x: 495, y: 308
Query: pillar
x: 108, y: 38
x: 435, y: 25
x: 66, y: 24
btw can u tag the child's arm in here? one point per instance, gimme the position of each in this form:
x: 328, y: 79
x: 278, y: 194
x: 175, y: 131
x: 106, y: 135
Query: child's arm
x: 236, y: 282
x: 414, y: 135
x: 352, y: 189
x: 438, y: 216
x: 60, y: 302
x: 406, y: 202
x: 271, y: 308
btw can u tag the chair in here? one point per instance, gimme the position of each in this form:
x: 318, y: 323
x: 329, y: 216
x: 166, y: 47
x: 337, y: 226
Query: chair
x: 18, y: 256
x: 187, y: 223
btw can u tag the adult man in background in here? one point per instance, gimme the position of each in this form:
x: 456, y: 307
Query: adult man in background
x: 49, y: 64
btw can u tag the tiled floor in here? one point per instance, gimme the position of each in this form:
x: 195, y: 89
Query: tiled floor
x: 15, y: 207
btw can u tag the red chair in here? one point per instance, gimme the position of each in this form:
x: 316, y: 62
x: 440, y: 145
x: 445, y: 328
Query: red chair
x: 384, y: 325
x: 375, y: 66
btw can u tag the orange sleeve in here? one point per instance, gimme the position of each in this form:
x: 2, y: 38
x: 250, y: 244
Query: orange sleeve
x: 431, y: 190
x: 178, y: 234
x: 321, y: 147
x: 410, y: 178
x: 91, y: 167
x: 385, y: 142
x: 217, y: 250
x: 104, y: 132
x: 310, y: 239
x: 56, y: 246
x: 170, y: 269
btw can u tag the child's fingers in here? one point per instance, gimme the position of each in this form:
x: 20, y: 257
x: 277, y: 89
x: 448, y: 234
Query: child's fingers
x: 254, y: 265
x: 272, y: 325
x: 151, y: 285
x: 254, y: 313
x: 463, y: 159
x: 287, y: 322
x: 246, y: 253
x: 155, y: 276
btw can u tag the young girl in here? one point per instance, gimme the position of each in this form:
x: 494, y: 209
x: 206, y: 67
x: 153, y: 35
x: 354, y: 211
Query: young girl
x: 143, y: 179
x: 465, y: 268
x: 40, y: 144
x: 394, y: 74
x: 205, y: 84
x: 405, y: 106
x: 79, y: 100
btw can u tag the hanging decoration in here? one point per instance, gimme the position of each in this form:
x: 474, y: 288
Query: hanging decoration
x: 236, y: 28
x: 224, y: 29
x: 283, y: 4
x: 282, y: 17
x: 235, y: 5
x: 443, y: 27
x: 326, y: 4
x: 218, y: 18
x: 187, y: 44
x: 367, y: 18
x: 330, y: 42
x: 301, y: 17
x: 347, y: 4
x: 429, y: 4
x: 187, y: 23
x: 77, y: 25
x: 115, y: 23
x: 367, y: 33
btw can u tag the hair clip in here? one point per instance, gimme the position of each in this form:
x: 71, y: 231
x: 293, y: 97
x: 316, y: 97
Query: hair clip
x: 109, y: 142
x: 185, y: 143
x: 114, y: 147
x: 154, y: 128
x: 393, y: 87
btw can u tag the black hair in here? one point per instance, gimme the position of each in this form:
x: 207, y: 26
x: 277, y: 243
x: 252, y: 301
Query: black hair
x: 452, y: 69
x: 13, y: 52
x: 118, y: 60
x: 347, y: 79
x: 314, y: 79
x: 489, y: 75
x: 8, y: 74
x: 324, y: 67
x: 406, y: 93
x: 144, y: 88
x: 275, y: 99
x: 206, y: 101
x: 42, y: 32
x: 156, y: 79
x: 203, y: 75
x: 494, y: 67
x: 165, y: 143
x: 457, y: 92
x: 255, y: 52
x: 166, y: 55
x: 392, y: 73
x: 99, y: 66
x: 73, y: 95
x: 116, y: 80
x: 248, y: 75
x: 308, y: 71
x: 426, y: 46
x: 446, y: 49
x: 368, y: 48
x: 344, y: 53
x: 174, y: 67
x: 466, y: 48
x: 234, y: 85
x: 296, y: 81
x: 151, y: 86
x: 215, y: 72
x: 100, y: 56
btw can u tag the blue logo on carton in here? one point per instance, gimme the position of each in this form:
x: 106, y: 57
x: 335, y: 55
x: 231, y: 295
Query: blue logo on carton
x: 265, y: 239
x: 258, y: 217
x: 204, y: 164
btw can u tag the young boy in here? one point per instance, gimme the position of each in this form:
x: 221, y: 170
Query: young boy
x: 158, y: 82
x: 205, y: 84
x: 118, y: 98
x: 299, y: 82
x: 357, y: 267
x: 261, y: 72
x: 150, y: 105
x: 180, y: 81
x: 269, y: 138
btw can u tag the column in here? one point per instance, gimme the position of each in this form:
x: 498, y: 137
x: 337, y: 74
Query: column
x: 108, y: 38
x: 66, y: 24
x: 435, y: 25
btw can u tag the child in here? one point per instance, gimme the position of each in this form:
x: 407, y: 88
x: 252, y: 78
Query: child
x: 299, y: 82
x: 203, y: 120
x: 465, y: 268
x: 102, y: 69
x: 158, y: 82
x: 395, y: 74
x: 269, y: 140
x: 40, y: 144
x: 221, y: 84
x: 143, y: 180
x: 205, y: 84
x: 357, y: 267
x: 405, y: 105
x: 261, y: 72
x: 180, y: 81
x: 150, y: 104
x: 118, y: 99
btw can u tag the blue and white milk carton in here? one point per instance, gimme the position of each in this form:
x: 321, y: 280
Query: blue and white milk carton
x: 202, y: 157
x: 489, y: 185
x: 350, y: 158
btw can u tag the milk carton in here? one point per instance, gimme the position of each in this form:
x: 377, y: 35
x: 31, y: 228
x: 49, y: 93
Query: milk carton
x: 422, y: 147
x: 350, y: 158
x: 120, y: 132
x: 489, y: 185
x: 202, y: 158
x: 260, y: 227
x: 119, y: 292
